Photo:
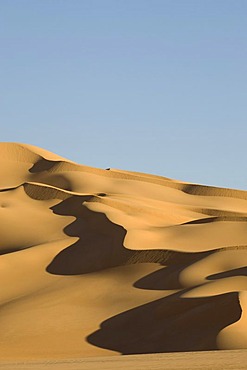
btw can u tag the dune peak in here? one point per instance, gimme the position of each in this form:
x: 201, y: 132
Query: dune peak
x: 99, y: 262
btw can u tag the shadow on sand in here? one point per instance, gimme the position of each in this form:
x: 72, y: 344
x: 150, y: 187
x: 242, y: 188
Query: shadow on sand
x: 100, y: 243
x: 169, y: 324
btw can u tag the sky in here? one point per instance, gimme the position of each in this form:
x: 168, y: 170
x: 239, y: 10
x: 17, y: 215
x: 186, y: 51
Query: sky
x: 155, y: 86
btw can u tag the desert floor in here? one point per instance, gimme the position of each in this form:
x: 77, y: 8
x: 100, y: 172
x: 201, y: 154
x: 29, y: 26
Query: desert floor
x: 208, y: 360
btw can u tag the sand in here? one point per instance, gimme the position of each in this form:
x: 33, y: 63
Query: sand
x: 213, y: 360
x: 99, y: 263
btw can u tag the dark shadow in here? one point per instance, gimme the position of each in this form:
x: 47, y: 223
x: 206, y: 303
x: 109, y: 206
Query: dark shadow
x: 215, y: 219
x: 241, y: 271
x: 201, y: 221
x: 41, y: 172
x: 100, y: 243
x: 169, y: 324
x: 42, y: 165
x: 9, y: 250
x: 168, y: 277
x: 8, y: 189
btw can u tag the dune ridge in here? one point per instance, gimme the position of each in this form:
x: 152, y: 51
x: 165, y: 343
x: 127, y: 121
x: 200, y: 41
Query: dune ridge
x: 104, y: 262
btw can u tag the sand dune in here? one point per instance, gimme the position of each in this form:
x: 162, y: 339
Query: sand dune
x: 106, y: 262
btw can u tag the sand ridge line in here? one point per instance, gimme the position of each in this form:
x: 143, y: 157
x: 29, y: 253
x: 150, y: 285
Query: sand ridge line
x: 116, y: 266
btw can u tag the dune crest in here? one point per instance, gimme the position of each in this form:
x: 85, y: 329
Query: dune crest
x: 105, y: 262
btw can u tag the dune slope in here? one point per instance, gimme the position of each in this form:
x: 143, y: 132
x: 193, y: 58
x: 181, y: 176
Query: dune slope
x: 105, y: 262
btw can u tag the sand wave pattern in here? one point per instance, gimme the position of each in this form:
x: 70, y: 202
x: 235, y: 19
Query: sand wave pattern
x: 106, y: 262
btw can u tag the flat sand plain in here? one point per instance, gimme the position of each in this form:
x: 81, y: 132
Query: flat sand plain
x: 213, y: 360
x: 97, y: 263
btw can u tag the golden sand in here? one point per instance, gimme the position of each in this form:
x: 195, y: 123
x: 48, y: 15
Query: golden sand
x: 108, y: 262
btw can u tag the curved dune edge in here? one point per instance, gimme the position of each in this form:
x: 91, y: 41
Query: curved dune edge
x: 104, y: 262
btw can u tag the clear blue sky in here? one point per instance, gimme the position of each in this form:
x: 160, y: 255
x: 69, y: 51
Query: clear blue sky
x: 157, y: 86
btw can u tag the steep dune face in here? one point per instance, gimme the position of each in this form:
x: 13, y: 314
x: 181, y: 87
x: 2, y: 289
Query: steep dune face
x: 105, y: 262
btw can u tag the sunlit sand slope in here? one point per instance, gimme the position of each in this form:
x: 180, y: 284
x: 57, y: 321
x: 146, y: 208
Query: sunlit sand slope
x: 105, y: 262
